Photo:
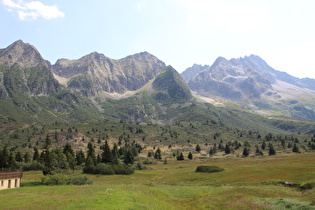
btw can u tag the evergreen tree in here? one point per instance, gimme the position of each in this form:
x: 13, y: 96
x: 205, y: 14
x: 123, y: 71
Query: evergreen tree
x: 198, y: 149
x: 115, y: 151
x: 295, y: 148
x: 128, y: 158
x: 80, y: 157
x: 18, y: 157
x: 245, y: 151
x: 272, y: 150
x: 158, y: 154
x: 12, y: 163
x: 27, y: 157
x: 4, y: 158
x: 180, y: 156
x: 68, y: 149
x: 91, y: 153
x: 190, y: 156
x: 263, y: 146
x: 71, y: 161
x: 36, y: 154
x: 106, y: 154
x: 227, y: 149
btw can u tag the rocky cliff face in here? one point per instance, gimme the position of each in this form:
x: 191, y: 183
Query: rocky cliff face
x: 193, y: 71
x: 95, y: 73
x: 24, y: 71
x: 253, y: 83
x: 234, y: 79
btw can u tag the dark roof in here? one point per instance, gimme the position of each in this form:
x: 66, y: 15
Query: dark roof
x: 8, y: 175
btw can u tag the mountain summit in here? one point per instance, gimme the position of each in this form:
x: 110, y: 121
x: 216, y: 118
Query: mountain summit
x: 252, y: 82
x: 95, y: 73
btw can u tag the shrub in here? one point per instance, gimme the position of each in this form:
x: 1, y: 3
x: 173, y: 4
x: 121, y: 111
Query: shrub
x: 81, y: 180
x: 56, y: 179
x: 106, y: 169
x: 123, y: 169
x: 33, y: 166
x: 307, y: 185
x: 62, y: 179
x: 208, y: 169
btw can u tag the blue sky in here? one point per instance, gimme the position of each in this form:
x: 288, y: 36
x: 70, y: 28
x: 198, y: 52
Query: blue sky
x: 179, y: 32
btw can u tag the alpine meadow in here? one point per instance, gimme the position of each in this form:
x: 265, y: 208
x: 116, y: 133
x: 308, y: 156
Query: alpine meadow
x: 133, y: 133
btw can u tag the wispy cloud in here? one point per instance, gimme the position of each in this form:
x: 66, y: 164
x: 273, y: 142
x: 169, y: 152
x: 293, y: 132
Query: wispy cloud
x: 32, y: 10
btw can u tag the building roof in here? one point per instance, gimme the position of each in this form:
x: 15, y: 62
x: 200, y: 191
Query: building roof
x: 9, y: 175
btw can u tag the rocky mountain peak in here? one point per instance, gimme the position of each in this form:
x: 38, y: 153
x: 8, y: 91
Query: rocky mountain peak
x: 171, y: 86
x: 22, y: 54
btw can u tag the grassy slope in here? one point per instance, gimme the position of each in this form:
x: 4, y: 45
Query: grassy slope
x: 246, y: 183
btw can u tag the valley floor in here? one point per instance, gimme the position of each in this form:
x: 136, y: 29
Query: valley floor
x: 245, y: 183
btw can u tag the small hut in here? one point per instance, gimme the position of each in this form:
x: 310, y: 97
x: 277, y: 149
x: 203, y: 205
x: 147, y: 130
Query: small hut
x: 9, y: 180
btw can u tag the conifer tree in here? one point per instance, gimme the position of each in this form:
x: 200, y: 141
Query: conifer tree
x: 245, y: 151
x: 36, y: 154
x: 190, y: 156
x: 106, y: 154
x: 295, y: 148
x: 80, y: 157
x: 272, y: 150
x: 198, y: 149
x: 180, y: 156
x: 227, y: 149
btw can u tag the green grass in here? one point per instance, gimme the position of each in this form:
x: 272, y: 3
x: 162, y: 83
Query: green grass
x: 246, y: 183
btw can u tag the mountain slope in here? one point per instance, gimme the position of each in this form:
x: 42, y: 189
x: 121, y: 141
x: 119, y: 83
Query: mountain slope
x: 95, y: 73
x: 24, y: 71
x: 252, y: 82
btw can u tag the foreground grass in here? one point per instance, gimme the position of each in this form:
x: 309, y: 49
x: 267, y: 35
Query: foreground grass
x: 246, y: 183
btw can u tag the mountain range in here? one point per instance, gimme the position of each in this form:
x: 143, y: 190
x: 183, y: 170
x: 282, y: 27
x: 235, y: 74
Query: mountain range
x: 141, y: 88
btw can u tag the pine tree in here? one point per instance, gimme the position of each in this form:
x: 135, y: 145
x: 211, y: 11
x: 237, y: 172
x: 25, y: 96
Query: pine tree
x: 91, y: 153
x: 245, y: 151
x: 68, y: 149
x: 190, y: 156
x: 263, y: 146
x: 158, y: 154
x: 272, y: 150
x: 180, y: 156
x: 36, y: 154
x: 106, y: 154
x: 18, y: 157
x: 27, y: 157
x: 80, y: 157
x: 128, y: 158
x: 198, y: 149
x: 295, y: 148
x: 227, y: 149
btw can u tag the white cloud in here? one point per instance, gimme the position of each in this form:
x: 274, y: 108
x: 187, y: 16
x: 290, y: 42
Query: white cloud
x: 32, y: 10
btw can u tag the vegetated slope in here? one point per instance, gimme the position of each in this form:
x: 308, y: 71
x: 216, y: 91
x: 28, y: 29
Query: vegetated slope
x: 29, y: 92
x: 95, y: 73
x: 252, y: 82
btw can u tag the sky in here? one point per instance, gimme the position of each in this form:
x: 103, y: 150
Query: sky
x: 179, y: 32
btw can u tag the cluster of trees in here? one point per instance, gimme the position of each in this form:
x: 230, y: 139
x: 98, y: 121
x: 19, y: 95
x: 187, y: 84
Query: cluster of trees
x: 109, y: 162
x: 55, y: 160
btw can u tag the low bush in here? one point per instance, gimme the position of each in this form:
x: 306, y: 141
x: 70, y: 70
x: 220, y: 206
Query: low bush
x: 32, y: 166
x: 62, y: 179
x: 56, y: 179
x: 307, y: 185
x: 106, y: 169
x: 81, y: 180
x: 208, y: 169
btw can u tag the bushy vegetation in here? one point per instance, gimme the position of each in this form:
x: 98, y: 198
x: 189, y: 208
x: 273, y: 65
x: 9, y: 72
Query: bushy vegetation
x: 208, y: 169
x: 63, y: 179
x: 106, y: 169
